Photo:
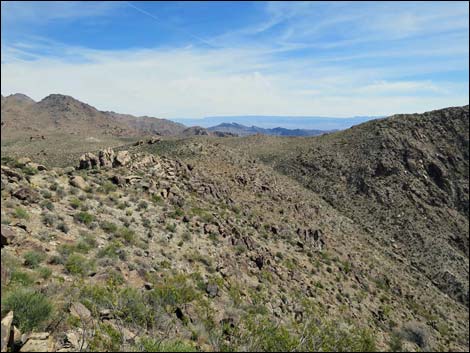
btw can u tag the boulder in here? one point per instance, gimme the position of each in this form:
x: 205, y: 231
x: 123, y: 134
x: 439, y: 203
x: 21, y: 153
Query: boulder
x: 122, y: 158
x: 11, y: 174
x: 211, y: 229
x: 212, y: 289
x: 7, y: 235
x: 39, y: 342
x: 78, y: 182
x: 80, y: 311
x: 27, y: 194
x: 153, y: 140
x: 118, y: 180
x: 106, y: 157
x: 23, y: 161
x: 6, y: 330
x: 89, y: 161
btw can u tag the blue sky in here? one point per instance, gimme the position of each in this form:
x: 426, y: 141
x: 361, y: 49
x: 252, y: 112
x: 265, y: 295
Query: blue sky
x: 195, y: 59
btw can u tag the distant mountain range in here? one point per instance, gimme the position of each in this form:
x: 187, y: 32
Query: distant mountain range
x: 286, y: 122
x: 242, y: 130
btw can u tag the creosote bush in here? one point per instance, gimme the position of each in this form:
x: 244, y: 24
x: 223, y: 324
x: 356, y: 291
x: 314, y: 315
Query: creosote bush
x: 30, y: 308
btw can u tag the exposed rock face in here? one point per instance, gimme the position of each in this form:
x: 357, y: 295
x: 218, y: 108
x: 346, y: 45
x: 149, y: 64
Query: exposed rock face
x: 89, y: 161
x: 122, y: 158
x: 7, y: 234
x: 80, y: 311
x: 27, y: 194
x: 78, y: 182
x: 6, y: 330
x: 39, y: 342
x: 106, y: 158
x: 312, y: 238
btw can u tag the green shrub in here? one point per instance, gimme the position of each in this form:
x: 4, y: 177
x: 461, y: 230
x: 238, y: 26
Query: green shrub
x: 48, y: 219
x: 153, y: 345
x: 85, y: 218
x: 22, y: 278
x: 21, y: 213
x: 75, y: 203
x: 172, y: 292
x: 271, y: 337
x: 33, y: 258
x: 30, y: 308
x: 109, y: 227
x: 78, y: 265
x: 132, y: 308
x: 127, y: 234
x: 45, y: 272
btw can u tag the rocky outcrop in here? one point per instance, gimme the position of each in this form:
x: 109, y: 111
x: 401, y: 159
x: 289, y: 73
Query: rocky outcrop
x: 122, y: 159
x: 106, y: 159
x: 89, y: 161
x: 6, y: 330
x: 39, y: 342
x: 78, y: 182
x: 7, y: 235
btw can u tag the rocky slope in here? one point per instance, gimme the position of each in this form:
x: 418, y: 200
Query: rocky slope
x: 21, y: 116
x: 406, y: 180
x: 202, y: 244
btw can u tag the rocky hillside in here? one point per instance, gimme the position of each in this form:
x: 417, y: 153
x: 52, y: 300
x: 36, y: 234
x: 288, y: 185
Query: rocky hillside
x: 243, y: 244
x: 22, y: 116
x: 405, y: 179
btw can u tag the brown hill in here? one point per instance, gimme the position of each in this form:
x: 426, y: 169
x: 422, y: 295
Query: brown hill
x: 57, y: 113
x: 405, y: 179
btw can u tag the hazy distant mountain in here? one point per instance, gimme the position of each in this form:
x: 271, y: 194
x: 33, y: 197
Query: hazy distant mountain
x: 242, y: 130
x: 287, y: 122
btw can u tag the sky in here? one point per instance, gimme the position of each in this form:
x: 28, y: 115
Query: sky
x: 197, y: 59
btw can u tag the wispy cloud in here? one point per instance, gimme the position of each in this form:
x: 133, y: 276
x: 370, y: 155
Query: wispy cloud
x: 337, y: 59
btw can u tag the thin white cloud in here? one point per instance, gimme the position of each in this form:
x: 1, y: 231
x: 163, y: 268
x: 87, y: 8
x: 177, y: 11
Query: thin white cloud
x: 242, y: 76
x: 197, y: 83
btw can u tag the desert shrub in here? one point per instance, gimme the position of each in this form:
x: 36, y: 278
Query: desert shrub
x: 111, y: 250
x: 416, y: 333
x: 143, y: 205
x: 171, y: 228
x: 106, y: 339
x: 157, y: 199
x: 109, y: 227
x: 321, y: 334
x: 48, y: 219
x: 84, y: 217
x: 47, y: 204
x: 63, y: 227
x: 396, y: 342
x: 22, y: 278
x: 127, y: 234
x: 77, y: 264
x: 21, y: 213
x: 154, y: 345
x: 33, y: 258
x: 96, y: 297
x: 270, y: 337
x: 75, y: 203
x: 45, y: 272
x: 132, y: 308
x: 30, y: 308
x: 172, y: 292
